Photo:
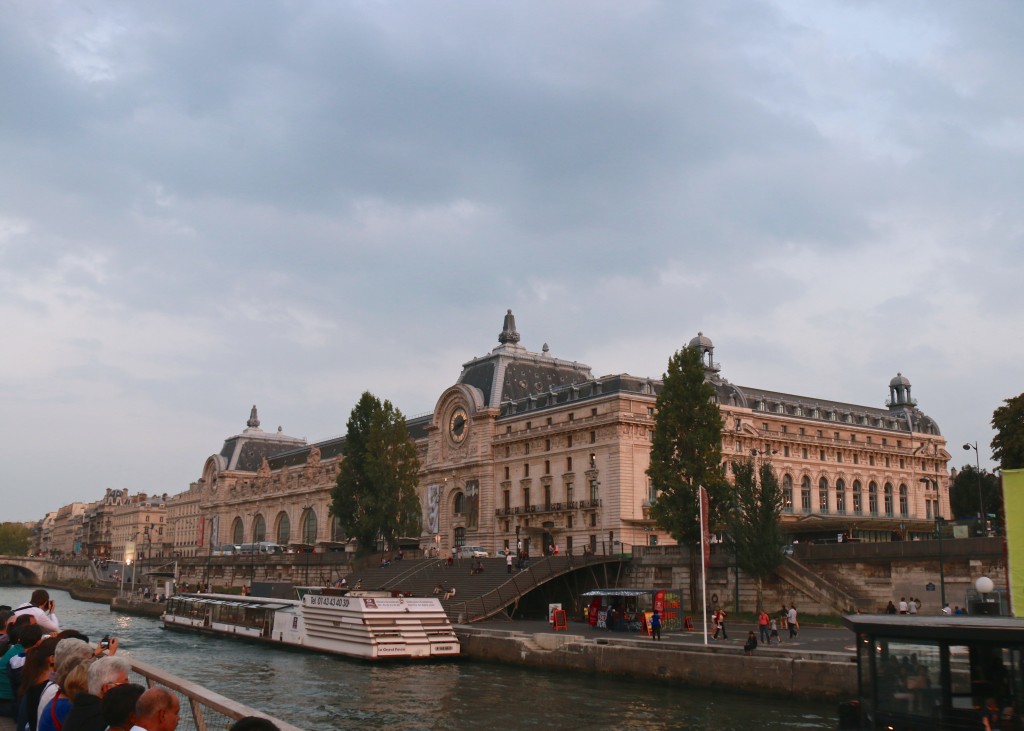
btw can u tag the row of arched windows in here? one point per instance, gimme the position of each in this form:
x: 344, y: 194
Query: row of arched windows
x: 283, y: 532
x: 844, y: 501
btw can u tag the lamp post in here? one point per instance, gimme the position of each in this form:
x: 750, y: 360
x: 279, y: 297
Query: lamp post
x: 981, y: 492
x: 252, y: 547
x: 305, y: 550
x: 939, y: 523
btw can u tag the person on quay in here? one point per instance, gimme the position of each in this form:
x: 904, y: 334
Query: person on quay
x: 751, y: 644
x: 791, y: 620
x: 656, y: 625
x: 508, y: 562
x: 762, y: 625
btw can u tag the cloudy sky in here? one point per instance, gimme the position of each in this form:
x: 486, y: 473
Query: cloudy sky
x: 206, y: 206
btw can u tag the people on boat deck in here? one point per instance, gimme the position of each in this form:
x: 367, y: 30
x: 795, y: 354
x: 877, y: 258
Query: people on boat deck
x: 118, y: 706
x: 253, y: 723
x: 157, y: 710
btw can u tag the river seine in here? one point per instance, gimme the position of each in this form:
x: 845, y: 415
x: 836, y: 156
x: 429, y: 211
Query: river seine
x: 319, y: 692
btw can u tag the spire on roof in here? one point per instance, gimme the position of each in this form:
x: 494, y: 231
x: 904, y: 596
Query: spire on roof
x: 508, y: 331
x: 254, y: 422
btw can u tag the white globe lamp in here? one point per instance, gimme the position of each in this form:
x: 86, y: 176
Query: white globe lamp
x: 984, y: 585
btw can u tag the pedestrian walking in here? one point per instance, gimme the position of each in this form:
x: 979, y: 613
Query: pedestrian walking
x: 791, y: 619
x: 762, y: 625
x: 774, y: 632
x: 508, y: 561
x: 656, y: 625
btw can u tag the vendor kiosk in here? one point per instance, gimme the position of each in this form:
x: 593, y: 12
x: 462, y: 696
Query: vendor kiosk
x: 629, y: 610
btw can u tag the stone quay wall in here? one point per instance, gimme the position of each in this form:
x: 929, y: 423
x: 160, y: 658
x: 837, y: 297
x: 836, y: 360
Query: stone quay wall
x: 831, y: 676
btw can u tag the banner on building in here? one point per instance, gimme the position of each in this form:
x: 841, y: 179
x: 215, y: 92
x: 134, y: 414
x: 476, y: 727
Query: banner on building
x: 433, y: 507
x: 1013, y: 501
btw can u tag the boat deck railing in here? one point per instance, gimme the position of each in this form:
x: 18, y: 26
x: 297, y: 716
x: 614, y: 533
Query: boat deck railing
x: 201, y: 709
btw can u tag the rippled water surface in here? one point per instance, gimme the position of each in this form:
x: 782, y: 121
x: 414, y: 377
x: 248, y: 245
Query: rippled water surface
x: 323, y: 692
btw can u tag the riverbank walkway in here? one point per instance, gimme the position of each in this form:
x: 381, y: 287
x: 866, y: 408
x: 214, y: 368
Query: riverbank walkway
x: 836, y: 642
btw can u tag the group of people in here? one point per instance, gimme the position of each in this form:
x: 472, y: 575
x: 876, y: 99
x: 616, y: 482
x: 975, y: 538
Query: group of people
x: 439, y: 590
x: 55, y: 680
x: 913, y: 606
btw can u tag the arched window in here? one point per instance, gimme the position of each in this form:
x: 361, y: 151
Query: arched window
x: 460, y: 537
x: 284, y: 529
x: 337, y: 532
x: 309, y: 527
x: 787, y: 493
x: 872, y: 498
x: 259, y: 528
x: 237, y: 531
x: 823, y: 495
x: 888, y: 499
x: 805, y: 494
x: 903, y: 500
x: 460, y: 503
x: 840, y: 497
x: 857, y: 506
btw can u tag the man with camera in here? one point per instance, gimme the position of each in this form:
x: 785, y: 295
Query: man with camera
x: 41, y: 607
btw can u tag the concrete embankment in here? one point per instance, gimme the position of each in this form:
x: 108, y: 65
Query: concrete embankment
x: 796, y: 674
x: 135, y: 606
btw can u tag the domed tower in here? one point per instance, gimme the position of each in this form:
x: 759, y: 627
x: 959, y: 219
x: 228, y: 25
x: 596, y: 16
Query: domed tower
x: 706, y: 349
x: 899, y: 393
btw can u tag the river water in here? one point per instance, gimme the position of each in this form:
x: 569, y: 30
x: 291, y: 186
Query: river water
x: 324, y: 692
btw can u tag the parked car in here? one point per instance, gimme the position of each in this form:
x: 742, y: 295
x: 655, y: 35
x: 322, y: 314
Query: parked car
x: 473, y: 552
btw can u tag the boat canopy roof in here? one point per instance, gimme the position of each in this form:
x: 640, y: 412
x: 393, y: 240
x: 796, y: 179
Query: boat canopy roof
x: 954, y: 628
x: 225, y: 601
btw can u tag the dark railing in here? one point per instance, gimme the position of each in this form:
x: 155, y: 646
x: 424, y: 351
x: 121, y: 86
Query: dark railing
x: 538, y: 572
x: 548, y: 507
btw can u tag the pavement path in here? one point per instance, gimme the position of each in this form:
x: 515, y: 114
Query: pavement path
x: 810, y: 640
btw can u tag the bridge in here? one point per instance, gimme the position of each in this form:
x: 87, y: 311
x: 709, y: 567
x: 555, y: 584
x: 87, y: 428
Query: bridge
x: 32, y: 571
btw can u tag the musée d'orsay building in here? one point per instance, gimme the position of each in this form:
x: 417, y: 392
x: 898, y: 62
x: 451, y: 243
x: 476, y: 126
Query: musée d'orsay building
x: 528, y: 445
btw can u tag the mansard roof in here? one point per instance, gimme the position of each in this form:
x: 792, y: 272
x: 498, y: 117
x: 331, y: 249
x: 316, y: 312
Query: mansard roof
x: 244, y: 452
x: 510, y: 372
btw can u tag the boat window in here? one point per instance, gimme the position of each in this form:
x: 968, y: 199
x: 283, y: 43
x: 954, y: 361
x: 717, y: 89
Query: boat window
x: 909, y: 677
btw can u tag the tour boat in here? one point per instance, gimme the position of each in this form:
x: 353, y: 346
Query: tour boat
x: 370, y: 625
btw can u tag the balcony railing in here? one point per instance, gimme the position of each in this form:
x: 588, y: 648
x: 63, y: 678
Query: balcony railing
x: 547, y: 508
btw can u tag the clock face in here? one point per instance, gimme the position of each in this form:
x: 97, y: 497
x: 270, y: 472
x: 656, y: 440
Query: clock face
x: 458, y: 425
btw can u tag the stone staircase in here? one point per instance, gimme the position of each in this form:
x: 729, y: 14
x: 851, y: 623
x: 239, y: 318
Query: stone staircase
x: 826, y: 592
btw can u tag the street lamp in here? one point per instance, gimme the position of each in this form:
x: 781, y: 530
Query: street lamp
x: 305, y: 550
x: 939, y: 523
x: 981, y: 493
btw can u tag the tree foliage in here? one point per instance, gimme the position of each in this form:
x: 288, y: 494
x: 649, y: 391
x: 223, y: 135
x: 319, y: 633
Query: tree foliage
x: 963, y: 494
x: 14, y: 539
x: 375, y: 496
x: 687, y: 448
x: 1008, y: 444
x: 755, y: 529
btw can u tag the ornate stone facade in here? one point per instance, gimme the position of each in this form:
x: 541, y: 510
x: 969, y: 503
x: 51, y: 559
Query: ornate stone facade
x: 528, y: 447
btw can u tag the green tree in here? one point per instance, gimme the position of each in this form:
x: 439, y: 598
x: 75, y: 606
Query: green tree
x: 1008, y: 444
x: 686, y: 452
x: 14, y: 539
x: 755, y: 529
x: 964, y: 500
x: 375, y: 496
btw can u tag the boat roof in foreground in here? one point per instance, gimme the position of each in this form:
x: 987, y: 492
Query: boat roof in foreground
x: 947, y: 628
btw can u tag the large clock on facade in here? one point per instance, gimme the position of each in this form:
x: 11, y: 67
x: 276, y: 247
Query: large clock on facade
x: 458, y: 425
